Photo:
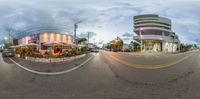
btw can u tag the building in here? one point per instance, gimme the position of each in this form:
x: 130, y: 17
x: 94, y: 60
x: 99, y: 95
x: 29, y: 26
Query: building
x: 154, y: 34
x: 127, y: 47
x: 115, y: 45
x: 81, y: 42
x: 47, y: 41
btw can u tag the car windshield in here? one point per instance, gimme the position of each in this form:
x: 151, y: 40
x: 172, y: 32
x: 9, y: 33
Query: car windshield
x: 99, y: 49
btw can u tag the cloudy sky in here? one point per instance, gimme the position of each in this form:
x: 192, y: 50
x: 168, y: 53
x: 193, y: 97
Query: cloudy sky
x: 107, y: 19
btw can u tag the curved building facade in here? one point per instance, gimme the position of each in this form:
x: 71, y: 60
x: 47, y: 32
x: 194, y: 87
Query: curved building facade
x: 154, y: 33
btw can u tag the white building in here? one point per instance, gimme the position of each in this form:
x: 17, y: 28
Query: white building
x: 154, y: 33
x: 126, y: 47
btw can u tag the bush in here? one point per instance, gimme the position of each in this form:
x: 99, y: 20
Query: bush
x: 17, y: 51
x: 27, y: 51
x: 84, y: 50
x: 75, y: 51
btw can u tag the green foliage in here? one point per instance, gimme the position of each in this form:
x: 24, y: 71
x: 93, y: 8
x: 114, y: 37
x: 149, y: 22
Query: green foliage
x: 82, y: 40
x: 75, y: 51
x: 187, y: 47
x: 119, y: 44
x: 17, y: 51
x: 27, y: 52
x: 116, y: 46
x: 15, y: 41
x: 84, y: 50
x: 7, y: 45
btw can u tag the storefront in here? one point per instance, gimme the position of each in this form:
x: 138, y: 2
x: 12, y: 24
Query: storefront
x: 55, y: 43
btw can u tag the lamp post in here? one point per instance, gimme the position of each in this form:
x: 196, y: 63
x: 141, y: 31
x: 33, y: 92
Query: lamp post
x: 5, y: 38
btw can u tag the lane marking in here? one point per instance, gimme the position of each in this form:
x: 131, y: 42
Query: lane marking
x: 53, y: 73
x: 156, y: 66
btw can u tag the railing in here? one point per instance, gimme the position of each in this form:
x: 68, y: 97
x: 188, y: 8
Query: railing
x: 153, y: 37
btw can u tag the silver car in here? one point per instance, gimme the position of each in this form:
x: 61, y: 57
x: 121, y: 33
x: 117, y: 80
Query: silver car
x: 8, y: 53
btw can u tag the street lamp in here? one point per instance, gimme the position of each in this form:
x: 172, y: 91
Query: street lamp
x: 5, y: 38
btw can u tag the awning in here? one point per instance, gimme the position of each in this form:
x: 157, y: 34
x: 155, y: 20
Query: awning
x: 51, y: 44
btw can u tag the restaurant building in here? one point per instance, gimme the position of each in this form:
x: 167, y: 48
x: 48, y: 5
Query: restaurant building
x: 56, y: 42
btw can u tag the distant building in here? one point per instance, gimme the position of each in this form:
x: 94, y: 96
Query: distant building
x: 92, y: 46
x: 127, y: 47
x: 82, y: 42
x: 154, y: 34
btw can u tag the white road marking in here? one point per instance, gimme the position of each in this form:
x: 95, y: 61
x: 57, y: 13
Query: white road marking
x: 53, y: 73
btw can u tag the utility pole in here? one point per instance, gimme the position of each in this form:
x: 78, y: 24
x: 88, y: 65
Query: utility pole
x: 75, y: 27
x: 88, y: 37
x: 141, y: 42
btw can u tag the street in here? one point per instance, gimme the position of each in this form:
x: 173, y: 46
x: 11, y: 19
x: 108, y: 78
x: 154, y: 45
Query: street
x: 109, y: 75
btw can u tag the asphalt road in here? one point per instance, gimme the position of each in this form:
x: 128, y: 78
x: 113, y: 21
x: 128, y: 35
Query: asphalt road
x: 109, y: 76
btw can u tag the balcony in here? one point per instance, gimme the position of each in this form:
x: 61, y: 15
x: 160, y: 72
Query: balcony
x: 154, y: 28
x: 153, y: 37
x: 152, y: 24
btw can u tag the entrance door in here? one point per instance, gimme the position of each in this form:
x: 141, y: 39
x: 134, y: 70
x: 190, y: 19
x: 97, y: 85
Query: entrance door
x: 149, y: 46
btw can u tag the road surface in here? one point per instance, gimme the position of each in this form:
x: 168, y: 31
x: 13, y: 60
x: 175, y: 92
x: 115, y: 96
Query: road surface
x: 109, y: 75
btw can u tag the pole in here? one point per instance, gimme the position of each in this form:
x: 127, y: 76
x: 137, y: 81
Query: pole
x: 88, y: 39
x: 75, y: 27
x: 140, y: 40
x: 179, y: 45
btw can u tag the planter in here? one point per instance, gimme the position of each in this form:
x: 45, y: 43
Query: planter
x: 54, y: 60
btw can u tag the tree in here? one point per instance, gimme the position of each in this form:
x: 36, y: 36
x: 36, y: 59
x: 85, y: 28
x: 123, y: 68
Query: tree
x: 15, y: 41
x: 81, y: 40
x: 7, y: 45
x: 118, y: 45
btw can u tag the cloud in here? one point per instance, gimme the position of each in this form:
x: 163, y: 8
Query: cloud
x: 127, y: 34
x: 127, y: 37
x: 85, y: 35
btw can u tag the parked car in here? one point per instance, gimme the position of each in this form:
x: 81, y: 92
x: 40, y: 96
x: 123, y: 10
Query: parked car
x: 8, y: 53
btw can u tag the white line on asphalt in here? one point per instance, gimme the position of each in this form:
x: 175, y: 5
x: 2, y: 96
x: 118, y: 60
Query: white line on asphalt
x: 53, y: 73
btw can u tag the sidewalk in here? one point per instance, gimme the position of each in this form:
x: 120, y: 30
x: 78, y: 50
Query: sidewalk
x: 51, y: 67
x: 155, y: 54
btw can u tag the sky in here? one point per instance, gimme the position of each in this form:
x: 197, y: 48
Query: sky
x: 105, y: 19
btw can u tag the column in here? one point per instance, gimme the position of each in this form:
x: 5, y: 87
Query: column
x: 141, y: 44
x: 162, y: 43
x: 179, y: 46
